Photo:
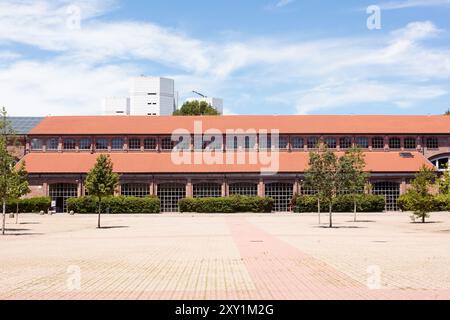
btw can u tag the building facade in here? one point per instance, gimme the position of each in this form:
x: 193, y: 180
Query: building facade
x: 152, y: 96
x: 177, y: 157
x: 117, y: 106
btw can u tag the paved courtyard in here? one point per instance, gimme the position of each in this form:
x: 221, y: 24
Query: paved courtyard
x: 279, y: 256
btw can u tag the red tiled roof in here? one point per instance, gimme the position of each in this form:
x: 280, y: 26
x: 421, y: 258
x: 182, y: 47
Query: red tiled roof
x: 336, y: 124
x: 154, y: 163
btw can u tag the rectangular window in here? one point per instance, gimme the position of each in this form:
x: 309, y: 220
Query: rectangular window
x: 362, y: 142
x: 117, y: 144
x: 101, y: 144
x: 331, y: 143
x: 250, y: 142
x: 297, y: 143
x: 167, y: 144
x: 85, y: 144
x: 150, y: 144
x: 394, y: 143
x: 345, y: 142
x: 378, y: 143
x: 52, y: 144
x: 283, y: 143
x: 410, y: 143
x: 69, y: 144
x: 313, y: 142
x: 36, y: 144
x: 265, y: 142
x: 134, y: 144
x: 183, y: 143
x: 432, y: 143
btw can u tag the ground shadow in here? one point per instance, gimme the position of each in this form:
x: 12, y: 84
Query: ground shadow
x: 427, y: 222
x: 340, y: 227
x: 23, y: 234
x: 114, y: 227
x: 27, y: 223
x: 16, y: 230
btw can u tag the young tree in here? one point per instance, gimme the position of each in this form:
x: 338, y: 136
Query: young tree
x: 196, y: 108
x: 8, y: 175
x: 420, y: 195
x: 323, y: 174
x: 20, y: 186
x: 447, y: 113
x: 101, y: 181
x: 444, y: 182
x: 352, y: 177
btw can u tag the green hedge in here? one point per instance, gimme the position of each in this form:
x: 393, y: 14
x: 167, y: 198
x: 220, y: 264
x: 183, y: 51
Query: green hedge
x: 440, y: 202
x: 233, y: 204
x: 31, y: 205
x: 115, y: 205
x: 344, y: 203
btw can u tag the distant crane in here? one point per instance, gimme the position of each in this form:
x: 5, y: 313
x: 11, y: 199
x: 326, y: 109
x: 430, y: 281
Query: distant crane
x: 198, y: 93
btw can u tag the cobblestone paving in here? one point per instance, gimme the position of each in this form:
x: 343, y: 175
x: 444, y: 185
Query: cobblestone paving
x: 241, y: 256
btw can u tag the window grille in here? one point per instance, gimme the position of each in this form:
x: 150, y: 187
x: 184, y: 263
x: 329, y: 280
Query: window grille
x: 243, y: 189
x: 282, y: 194
x: 170, y: 195
x: 140, y: 190
x: 207, y: 190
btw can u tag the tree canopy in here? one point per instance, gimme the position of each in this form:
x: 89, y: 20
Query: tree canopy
x: 9, y: 176
x: 196, y: 108
x: 101, y: 181
x: 420, y: 192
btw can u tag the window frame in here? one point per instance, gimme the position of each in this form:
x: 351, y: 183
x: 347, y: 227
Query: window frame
x: 378, y: 139
x: 345, y: 142
x: 65, y: 144
x: 132, y: 144
x: 409, y: 139
x: 334, y: 140
x: 359, y: 145
x: 97, y: 140
x: 397, y: 139
x: 434, y: 146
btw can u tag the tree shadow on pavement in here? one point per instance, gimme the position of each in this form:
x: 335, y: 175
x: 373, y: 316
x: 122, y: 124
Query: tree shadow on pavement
x: 114, y: 227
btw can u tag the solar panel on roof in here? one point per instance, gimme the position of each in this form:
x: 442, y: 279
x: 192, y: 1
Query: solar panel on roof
x: 23, y: 125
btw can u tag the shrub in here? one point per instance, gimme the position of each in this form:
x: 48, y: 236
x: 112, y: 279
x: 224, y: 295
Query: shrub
x: 343, y: 203
x: 408, y: 202
x: 115, y: 205
x: 233, y: 204
x: 31, y: 205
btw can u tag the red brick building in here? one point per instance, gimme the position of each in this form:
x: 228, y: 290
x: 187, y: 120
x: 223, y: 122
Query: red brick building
x: 177, y: 157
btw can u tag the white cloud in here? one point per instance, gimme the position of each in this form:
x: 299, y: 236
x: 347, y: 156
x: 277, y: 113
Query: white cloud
x: 283, y: 3
x: 333, y: 95
x: 85, y: 65
x: 393, y: 5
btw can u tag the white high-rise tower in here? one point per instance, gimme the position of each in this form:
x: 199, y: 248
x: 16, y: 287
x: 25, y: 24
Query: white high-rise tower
x: 152, y: 96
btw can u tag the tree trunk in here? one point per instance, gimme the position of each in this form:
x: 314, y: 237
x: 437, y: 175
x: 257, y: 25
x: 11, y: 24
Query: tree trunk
x: 318, y: 209
x: 99, y: 213
x: 423, y: 219
x: 330, y: 207
x: 355, y: 209
x: 4, y: 217
x: 17, y: 213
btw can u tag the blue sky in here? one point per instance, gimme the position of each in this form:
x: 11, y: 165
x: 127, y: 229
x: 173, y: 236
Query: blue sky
x: 262, y: 56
